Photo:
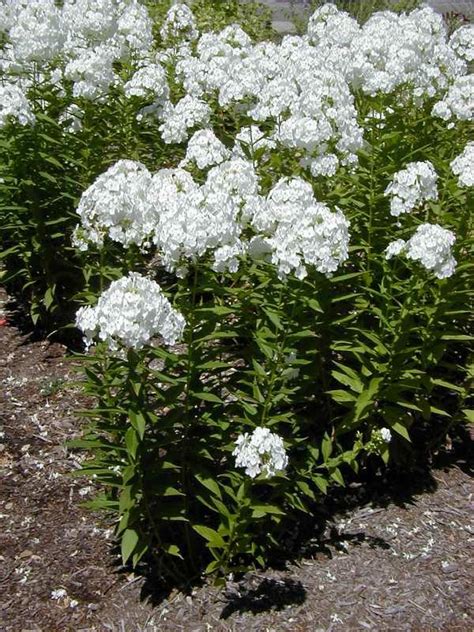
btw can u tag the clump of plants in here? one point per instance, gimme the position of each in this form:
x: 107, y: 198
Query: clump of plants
x: 291, y: 302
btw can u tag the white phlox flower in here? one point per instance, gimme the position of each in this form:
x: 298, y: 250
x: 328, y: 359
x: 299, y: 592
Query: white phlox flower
x: 462, y: 42
x: 407, y: 50
x: 412, y: 186
x: 117, y: 205
x: 205, y: 150
x: 249, y: 140
x: 394, y: 248
x: 329, y: 27
x: 431, y: 245
x: 458, y: 102
x: 179, y: 23
x: 463, y: 166
x: 189, y: 112
x: 14, y: 106
x: 85, y: 36
x: 148, y: 81
x: 92, y: 72
x: 36, y: 33
x: 299, y: 231
x: 193, y: 220
x: 261, y: 452
x: 129, y: 314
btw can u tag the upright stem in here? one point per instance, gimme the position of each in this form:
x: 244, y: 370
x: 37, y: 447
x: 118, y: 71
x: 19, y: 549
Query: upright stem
x: 187, y: 415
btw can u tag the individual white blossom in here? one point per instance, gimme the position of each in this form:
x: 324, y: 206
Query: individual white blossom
x: 412, y: 186
x: 179, y: 23
x: 14, y: 106
x: 261, y: 452
x: 129, y: 314
x: 117, y: 205
x: 386, y: 434
x: 463, y: 166
x: 205, y: 149
x: 431, y: 245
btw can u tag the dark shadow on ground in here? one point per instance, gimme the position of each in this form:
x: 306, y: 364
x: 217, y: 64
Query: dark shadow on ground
x: 269, y: 594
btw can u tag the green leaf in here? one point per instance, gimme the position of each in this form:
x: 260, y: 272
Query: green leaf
x: 212, y: 567
x: 208, y: 397
x: 209, y: 483
x: 172, y: 549
x: 139, y: 552
x: 335, y: 474
x: 215, y: 539
x: 321, y: 483
x: 131, y: 441
x: 128, y: 543
x: 138, y: 422
x: 275, y: 319
x: 326, y: 447
x: 341, y: 396
x: 400, y: 429
x: 259, y: 511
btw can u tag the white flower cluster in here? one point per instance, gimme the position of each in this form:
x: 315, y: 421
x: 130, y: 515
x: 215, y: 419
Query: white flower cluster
x: 129, y: 314
x: 463, y: 166
x: 299, y: 231
x: 225, y: 216
x: 148, y: 81
x: 458, y: 102
x: 412, y: 186
x: 117, y: 205
x: 193, y: 220
x: 407, y: 50
x: 189, y: 112
x: 462, y: 42
x: 262, y: 452
x: 205, y: 150
x: 83, y: 38
x: 179, y: 23
x: 14, y: 106
x: 430, y: 245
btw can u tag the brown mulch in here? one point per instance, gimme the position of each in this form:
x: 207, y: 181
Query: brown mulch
x: 402, y: 561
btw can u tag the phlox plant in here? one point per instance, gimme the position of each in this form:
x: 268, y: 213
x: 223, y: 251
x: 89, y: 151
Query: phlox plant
x: 292, y: 302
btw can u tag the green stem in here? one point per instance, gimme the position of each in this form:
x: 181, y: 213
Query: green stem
x: 187, y: 416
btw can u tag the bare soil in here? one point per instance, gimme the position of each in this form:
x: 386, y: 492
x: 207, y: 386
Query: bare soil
x: 392, y: 556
